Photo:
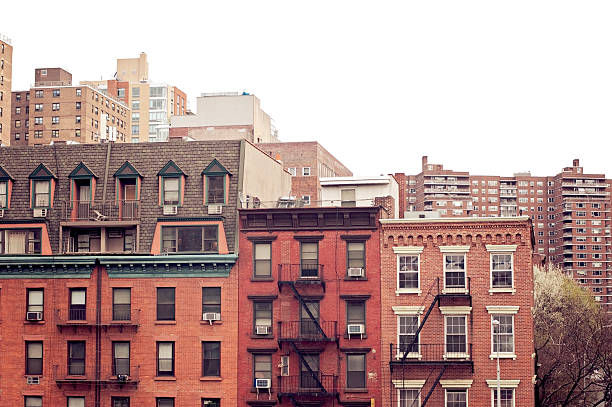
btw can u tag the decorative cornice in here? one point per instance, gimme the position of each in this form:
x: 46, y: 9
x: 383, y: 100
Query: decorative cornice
x: 408, y: 309
x: 502, y: 309
x: 501, y: 247
x: 46, y: 267
x: 455, y: 310
x: 408, y: 249
x: 408, y: 384
x: 456, y: 383
x: 409, y: 221
x: 454, y: 249
x: 503, y: 383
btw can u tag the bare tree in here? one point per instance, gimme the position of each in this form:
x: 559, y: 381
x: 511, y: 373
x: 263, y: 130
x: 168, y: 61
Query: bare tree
x: 573, y: 344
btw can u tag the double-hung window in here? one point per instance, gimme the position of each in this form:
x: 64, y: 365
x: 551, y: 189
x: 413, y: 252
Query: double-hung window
x: 408, y: 266
x: 211, y: 402
x: 262, y: 259
x: 165, y: 358
x: 190, y: 239
x: 120, y: 402
x: 33, y: 401
x: 165, y: 402
x: 211, y: 358
x: 121, y: 358
x: 502, y: 267
x: 355, y: 315
x: 215, y: 185
x: 262, y: 317
x: 76, y: 357
x: 34, y: 358
x: 211, y: 300
x: 42, y: 193
x: 409, y: 398
x: 78, y: 308
x: 262, y: 367
x: 356, y: 371
x: 76, y: 401
x: 407, y: 326
x: 455, y: 336
x: 165, y: 303
x: 3, y: 194
x: 122, y: 304
x: 171, y: 190
x: 355, y: 257
x: 309, y: 259
x: 454, y: 272
x: 456, y: 398
x: 506, y: 397
x: 503, y: 334
x: 35, y: 300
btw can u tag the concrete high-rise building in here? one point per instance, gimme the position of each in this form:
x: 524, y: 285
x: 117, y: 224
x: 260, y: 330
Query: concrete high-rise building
x: 570, y: 213
x: 6, y: 62
x: 152, y: 103
x: 56, y: 111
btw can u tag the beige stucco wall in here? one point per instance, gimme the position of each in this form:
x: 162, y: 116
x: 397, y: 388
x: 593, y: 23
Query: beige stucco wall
x: 263, y: 176
x: 364, y: 193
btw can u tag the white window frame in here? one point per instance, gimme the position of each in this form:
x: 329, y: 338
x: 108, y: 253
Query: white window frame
x: 408, y: 251
x: 457, y: 384
x: 504, y: 384
x: 454, y: 251
x: 501, y: 249
x: 408, y: 311
x: 511, y: 310
x: 292, y: 171
x: 306, y: 171
x: 454, y: 311
x: 408, y: 384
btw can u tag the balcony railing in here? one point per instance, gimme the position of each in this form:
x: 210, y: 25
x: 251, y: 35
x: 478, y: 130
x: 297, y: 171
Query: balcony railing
x: 449, y: 353
x: 72, y: 316
x: 300, y: 273
x: 307, y: 330
x: 108, y: 211
x: 306, y: 385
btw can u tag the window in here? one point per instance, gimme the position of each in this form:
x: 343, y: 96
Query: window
x: 211, y: 358
x: 165, y: 402
x: 17, y: 124
x: 136, y: 92
x: 347, y: 198
x: 307, y: 381
x: 34, y: 358
x: 355, y: 255
x: 165, y: 303
x: 356, y: 371
x: 135, y: 129
x: 33, y: 401
x: 211, y: 299
x: 456, y: 398
x: 3, y: 194
x: 215, y: 186
x: 35, y: 300
x: 309, y: 259
x: 135, y: 104
x: 355, y: 313
x: 121, y: 358
x: 262, y: 316
x: 189, y: 239
x: 306, y: 171
x: 38, y: 120
x: 78, y: 91
x: 407, y: 327
x: 42, y: 192
x: 55, y: 133
x: 507, y: 397
x: 454, y: 272
x: 309, y: 326
x: 122, y: 304
x: 408, y: 272
x: 409, y: 397
x: 456, y: 336
x: 38, y: 133
x: 38, y: 94
x: 77, y: 119
x: 76, y: 357
x: 501, y: 270
x: 262, y: 262
x: 56, y: 93
x: 262, y: 367
x: 76, y: 401
x: 503, y: 334
x: 292, y: 171
x: 120, y: 402
x: 77, y: 310
x: 135, y: 116
x: 55, y: 106
x: 211, y: 402
x: 171, y: 190
x: 165, y: 358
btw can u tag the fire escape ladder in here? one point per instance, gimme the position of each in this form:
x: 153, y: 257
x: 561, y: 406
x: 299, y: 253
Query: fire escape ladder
x: 418, y: 331
x: 305, y: 307
x: 307, y: 366
x: 433, y: 386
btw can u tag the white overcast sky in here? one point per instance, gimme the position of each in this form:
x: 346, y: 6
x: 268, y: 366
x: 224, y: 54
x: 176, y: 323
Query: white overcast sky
x: 491, y: 87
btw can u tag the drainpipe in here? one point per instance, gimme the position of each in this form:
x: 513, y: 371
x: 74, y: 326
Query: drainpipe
x: 98, y: 332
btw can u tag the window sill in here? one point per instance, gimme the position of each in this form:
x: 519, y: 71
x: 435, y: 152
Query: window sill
x: 501, y: 290
x: 457, y: 356
x: 355, y: 279
x: 211, y: 378
x: 355, y: 390
x: 262, y: 336
x: 164, y: 323
x: 255, y: 279
x: 76, y: 322
x: 408, y: 291
x: 455, y: 291
x: 355, y: 336
x: 411, y: 355
x: 165, y: 378
x: 219, y: 322
x: 26, y: 322
x: 503, y: 356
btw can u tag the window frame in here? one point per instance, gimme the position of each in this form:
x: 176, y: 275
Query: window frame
x: 349, y: 302
x: 456, y: 390
x: 255, y: 260
x: 120, y: 399
x: 174, y: 248
x: 255, y: 324
x: 399, y: 395
x: 4, y: 203
x: 400, y: 352
x: 69, y: 398
x: 267, y: 374
x: 71, y: 360
x: 212, y: 360
x: 348, y: 372
x: 447, y: 353
x: 77, y: 312
x: 502, y: 388
x: 129, y: 304
x: 171, y: 307
x: 165, y: 373
x: 35, y: 194
x: 159, y: 400
x: 28, y: 304
x: 29, y: 371
x: 316, y: 263
x: 445, y: 271
x: 25, y: 400
x: 164, y: 189
x: 416, y: 289
x: 114, y: 356
x: 209, y: 304
x: 209, y: 177
x: 363, y: 257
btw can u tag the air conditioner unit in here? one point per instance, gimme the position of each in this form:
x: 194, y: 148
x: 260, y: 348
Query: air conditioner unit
x: 356, y: 329
x: 355, y: 272
x: 215, y: 209
x: 40, y: 212
x: 597, y: 298
x: 34, y: 316
x: 32, y: 380
x: 581, y: 272
x: 123, y: 378
x: 211, y: 316
x: 263, y: 383
x: 170, y: 209
x: 262, y: 330
x: 1, y: 213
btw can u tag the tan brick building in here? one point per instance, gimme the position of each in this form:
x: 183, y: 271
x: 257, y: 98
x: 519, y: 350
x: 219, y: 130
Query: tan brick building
x: 6, y: 66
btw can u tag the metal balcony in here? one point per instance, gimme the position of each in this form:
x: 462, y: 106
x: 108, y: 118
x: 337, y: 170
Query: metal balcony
x: 305, y: 273
x: 79, y: 211
x: 432, y: 354
x: 306, y: 385
x: 307, y: 331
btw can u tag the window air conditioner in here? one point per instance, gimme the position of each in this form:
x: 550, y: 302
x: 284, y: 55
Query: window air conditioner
x: 34, y: 316
x: 355, y: 272
x: 356, y: 329
x: 215, y: 209
x: 262, y: 330
x: 40, y: 212
x: 263, y: 383
x: 211, y: 316
x: 170, y: 209
x: 123, y: 378
x: 32, y: 380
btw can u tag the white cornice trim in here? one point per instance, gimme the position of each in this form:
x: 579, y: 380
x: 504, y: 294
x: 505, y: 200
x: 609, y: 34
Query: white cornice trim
x: 516, y: 219
x: 408, y: 249
x: 408, y: 384
x: 502, y: 309
x: 456, y: 383
x: 501, y: 247
x: 454, y: 249
x: 503, y: 383
x: 408, y: 309
x: 455, y: 310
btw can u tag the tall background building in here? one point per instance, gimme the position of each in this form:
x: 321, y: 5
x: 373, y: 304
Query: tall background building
x: 6, y: 66
x: 152, y: 103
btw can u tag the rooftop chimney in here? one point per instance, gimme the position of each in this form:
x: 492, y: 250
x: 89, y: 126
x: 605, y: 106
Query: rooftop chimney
x: 576, y: 162
x: 424, y: 162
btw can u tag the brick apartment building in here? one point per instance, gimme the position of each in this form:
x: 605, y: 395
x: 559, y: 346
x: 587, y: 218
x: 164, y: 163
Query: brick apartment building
x: 570, y: 212
x: 444, y: 282
x: 152, y: 103
x: 309, y: 300
x: 6, y: 76
x: 117, y: 285
x: 307, y: 162
x: 55, y: 111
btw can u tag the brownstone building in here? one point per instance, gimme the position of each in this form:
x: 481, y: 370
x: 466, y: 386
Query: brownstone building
x: 55, y: 111
x: 456, y: 293
x: 117, y: 285
x: 6, y: 76
x: 309, y: 300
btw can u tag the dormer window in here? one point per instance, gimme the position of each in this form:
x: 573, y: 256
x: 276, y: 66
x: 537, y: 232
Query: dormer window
x: 6, y: 184
x: 216, y: 183
x: 171, y: 181
x: 127, y: 182
x: 42, y: 184
x: 82, y: 191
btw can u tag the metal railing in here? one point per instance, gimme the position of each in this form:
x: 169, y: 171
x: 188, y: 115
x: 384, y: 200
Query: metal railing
x: 70, y: 316
x: 422, y: 353
x: 294, y: 202
x: 305, y: 385
x: 307, y: 330
x: 300, y: 272
x: 88, y: 211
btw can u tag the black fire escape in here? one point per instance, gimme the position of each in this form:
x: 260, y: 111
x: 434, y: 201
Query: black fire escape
x: 306, y: 336
x: 439, y: 357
